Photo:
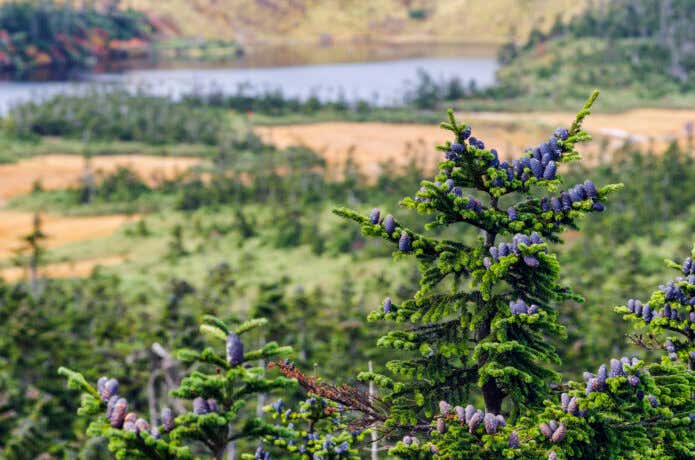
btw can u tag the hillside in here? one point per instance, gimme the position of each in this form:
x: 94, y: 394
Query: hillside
x: 326, y: 21
x: 638, y: 50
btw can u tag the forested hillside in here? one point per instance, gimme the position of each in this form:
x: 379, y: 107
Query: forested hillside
x: 641, y: 49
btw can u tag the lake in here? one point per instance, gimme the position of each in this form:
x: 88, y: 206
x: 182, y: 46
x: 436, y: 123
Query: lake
x: 382, y: 82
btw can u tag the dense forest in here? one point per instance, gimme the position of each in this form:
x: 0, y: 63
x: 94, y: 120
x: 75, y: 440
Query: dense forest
x: 60, y: 37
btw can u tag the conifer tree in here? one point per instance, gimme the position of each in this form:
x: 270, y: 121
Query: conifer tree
x: 220, y: 391
x: 469, y: 324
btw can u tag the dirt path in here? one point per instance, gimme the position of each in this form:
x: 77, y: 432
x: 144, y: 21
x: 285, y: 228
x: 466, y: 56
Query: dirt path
x: 60, y: 171
x: 62, y: 270
x: 374, y: 143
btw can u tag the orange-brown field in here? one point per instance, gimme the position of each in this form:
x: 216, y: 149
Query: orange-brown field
x: 374, y: 143
x: 59, y: 229
x: 60, y: 171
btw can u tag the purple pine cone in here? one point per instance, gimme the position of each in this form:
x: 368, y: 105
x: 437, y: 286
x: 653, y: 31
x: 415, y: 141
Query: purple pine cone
x: 531, y: 261
x: 536, y: 168
x: 532, y: 310
x: 404, y: 242
x: 670, y: 347
x: 514, y: 441
x: 451, y: 155
x: 466, y: 133
x: 235, y: 350
x: 167, y: 419
x: 110, y: 405
x: 564, y: 401
x: 552, y: 455
x: 553, y: 425
x: 536, y: 238
x: 389, y: 224
x: 616, y: 369
x: 511, y: 213
x: 687, y: 265
x: 110, y: 389
x: 590, y: 188
x: 638, y: 308
x: 495, y: 161
x: 647, y: 313
x: 490, y: 422
x: 444, y: 407
x: 573, y: 406
x: 473, y: 141
x: 555, y: 203
x: 460, y: 413
x: 212, y: 405
x: 581, y: 192
x: 673, y: 357
x: 598, y: 207
x: 200, y: 407
x: 547, y: 158
x: 545, y: 429
x: 387, y: 305
x: 494, y: 253
x: 561, y: 133
x: 640, y: 395
x: 545, y: 205
x: 631, y: 305
x: 407, y: 440
x: 441, y: 425
x: 129, y: 422
x: 566, y: 202
x: 141, y: 426
x: 602, y: 374
x: 633, y: 380
x: 374, y: 216
x: 118, y: 413
x: 470, y: 411
x: 457, y: 191
x: 518, y: 167
x: 449, y: 184
x: 487, y: 263
x: 456, y: 148
x: 550, y: 171
x: 559, y: 434
x: 574, y: 196
x: 475, y: 421
x: 101, y: 383
x: 653, y: 401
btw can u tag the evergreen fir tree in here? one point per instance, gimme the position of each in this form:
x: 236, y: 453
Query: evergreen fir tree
x: 219, y: 390
x: 468, y: 323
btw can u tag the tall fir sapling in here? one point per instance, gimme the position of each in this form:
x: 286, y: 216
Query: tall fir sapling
x: 466, y: 322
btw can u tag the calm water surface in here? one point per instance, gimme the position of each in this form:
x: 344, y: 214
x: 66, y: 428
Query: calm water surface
x: 382, y: 82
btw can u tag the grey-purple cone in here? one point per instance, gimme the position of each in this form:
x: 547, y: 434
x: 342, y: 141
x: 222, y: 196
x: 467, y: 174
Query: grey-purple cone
x: 167, y: 419
x: 235, y: 350
x: 118, y: 413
